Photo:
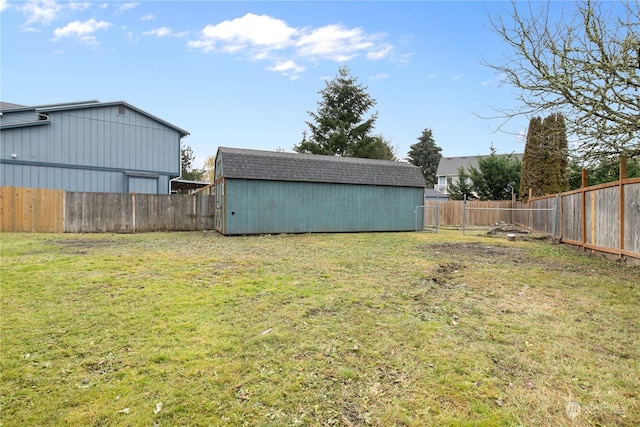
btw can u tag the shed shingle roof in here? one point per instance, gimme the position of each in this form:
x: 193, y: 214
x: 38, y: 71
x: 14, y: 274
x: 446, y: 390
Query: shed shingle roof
x: 278, y: 166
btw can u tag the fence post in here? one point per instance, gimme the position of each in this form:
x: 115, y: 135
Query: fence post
x: 623, y: 175
x: 464, y: 214
x: 554, y: 223
x: 133, y: 212
x: 437, y: 213
x: 583, y: 207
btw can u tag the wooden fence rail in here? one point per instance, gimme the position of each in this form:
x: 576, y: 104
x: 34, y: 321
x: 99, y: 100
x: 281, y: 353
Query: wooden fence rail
x: 56, y: 211
x: 604, y: 217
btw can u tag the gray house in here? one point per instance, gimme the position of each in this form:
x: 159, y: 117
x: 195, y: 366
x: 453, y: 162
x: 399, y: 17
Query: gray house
x: 448, y: 167
x: 261, y: 192
x: 88, y: 146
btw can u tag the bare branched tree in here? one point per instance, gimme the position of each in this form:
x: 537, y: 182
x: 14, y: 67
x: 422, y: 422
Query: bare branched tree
x: 585, y: 65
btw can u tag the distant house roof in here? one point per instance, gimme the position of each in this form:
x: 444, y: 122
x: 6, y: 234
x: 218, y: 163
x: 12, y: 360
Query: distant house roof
x: 449, y: 166
x: 280, y: 166
x: 430, y: 193
x: 10, y: 107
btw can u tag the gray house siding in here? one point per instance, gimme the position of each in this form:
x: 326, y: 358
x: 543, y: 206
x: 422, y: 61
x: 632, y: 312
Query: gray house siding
x: 303, y: 193
x: 89, y: 147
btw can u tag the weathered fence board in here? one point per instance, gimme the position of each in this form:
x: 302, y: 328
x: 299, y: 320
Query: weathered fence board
x: 480, y: 213
x: 603, y: 219
x: 126, y: 213
x: 632, y: 218
x: 37, y: 210
x: 56, y: 211
x: 571, y: 217
x: 98, y: 212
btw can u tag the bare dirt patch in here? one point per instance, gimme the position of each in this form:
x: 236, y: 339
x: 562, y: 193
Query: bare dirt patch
x: 480, y: 251
x: 81, y: 246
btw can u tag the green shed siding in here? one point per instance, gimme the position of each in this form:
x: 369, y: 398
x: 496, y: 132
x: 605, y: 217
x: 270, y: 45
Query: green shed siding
x: 262, y: 206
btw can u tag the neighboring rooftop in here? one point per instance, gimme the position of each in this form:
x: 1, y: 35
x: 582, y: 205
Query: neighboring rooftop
x: 279, y: 166
x: 449, y: 166
x: 10, y: 106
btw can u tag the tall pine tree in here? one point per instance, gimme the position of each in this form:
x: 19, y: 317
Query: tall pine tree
x: 339, y: 127
x: 555, y: 135
x: 545, y: 161
x: 426, y: 155
x: 532, y: 174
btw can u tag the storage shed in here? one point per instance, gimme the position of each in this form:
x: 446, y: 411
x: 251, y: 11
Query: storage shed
x: 263, y: 192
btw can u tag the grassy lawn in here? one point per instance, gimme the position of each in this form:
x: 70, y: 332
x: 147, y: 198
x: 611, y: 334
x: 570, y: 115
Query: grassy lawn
x: 406, y: 329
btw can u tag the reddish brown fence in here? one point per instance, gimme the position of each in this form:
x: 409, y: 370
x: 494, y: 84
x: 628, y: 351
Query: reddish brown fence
x: 451, y: 212
x: 31, y: 209
x: 56, y: 211
x: 604, y: 218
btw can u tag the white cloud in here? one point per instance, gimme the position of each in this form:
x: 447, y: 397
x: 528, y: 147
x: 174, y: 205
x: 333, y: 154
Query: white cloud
x: 127, y: 6
x: 335, y: 42
x: 82, y: 30
x: 149, y: 17
x: 41, y: 12
x: 3, y: 5
x: 287, y: 66
x: 164, y: 32
x: 249, y: 32
x: 75, y: 5
x: 379, y: 77
x: 380, y: 52
x: 456, y: 77
x: 262, y: 37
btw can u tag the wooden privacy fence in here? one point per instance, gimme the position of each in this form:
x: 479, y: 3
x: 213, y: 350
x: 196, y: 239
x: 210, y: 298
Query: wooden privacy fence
x: 604, y: 217
x: 55, y: 211
x: 36, y: 210
x: 482, y: 213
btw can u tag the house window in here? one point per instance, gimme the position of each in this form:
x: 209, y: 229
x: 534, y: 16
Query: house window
x: 121, y: 110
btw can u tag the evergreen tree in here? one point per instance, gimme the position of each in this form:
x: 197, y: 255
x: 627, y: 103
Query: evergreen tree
x: 458, y: 190
x: 555, y: 136
x: 604, y: 171
x: 545, y: 165
x: 377, y: 147
x: 533, y: 160
x: 426, y: 155
x: 338, y: 127
x: 495, y: 176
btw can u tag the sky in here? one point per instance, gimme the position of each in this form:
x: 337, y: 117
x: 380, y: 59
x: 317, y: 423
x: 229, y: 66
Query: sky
x: 247, y: 74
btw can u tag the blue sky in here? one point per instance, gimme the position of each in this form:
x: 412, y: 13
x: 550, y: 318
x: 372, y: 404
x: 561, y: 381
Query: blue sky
x: 244, y: 74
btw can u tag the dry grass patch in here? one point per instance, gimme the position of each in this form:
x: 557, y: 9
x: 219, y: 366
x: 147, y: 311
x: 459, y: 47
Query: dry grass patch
x: 406, y: 329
